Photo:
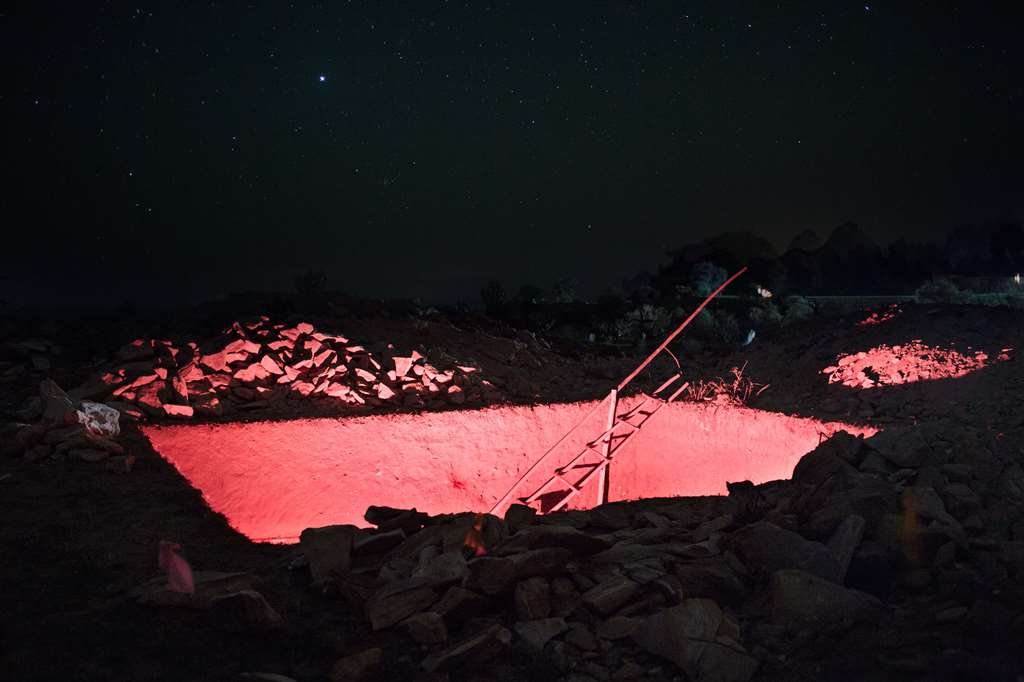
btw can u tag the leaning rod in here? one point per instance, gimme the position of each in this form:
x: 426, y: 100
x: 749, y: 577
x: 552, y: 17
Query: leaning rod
x: 680, y: 328
x: 508, y: 495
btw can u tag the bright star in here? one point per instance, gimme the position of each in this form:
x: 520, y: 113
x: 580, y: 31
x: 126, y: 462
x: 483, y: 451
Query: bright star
x: 323, y: 78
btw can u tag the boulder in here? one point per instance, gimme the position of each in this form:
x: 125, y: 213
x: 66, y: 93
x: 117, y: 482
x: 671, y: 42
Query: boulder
x: 540, y: 536
x: 844, y: 541
x: 769, y: 548
x: 490, y: 574
x: 449, y: 567
x: 687, y: 635
x: 427, y: 627
x: 801, y: 599
x: 536, y: 633
x: 532, y: 599
x: 459, y: 604
x: 398, y: 601
x: 611, y: 595
x: 328, y: 549
x: 711, y: 578
x: 478, y: 647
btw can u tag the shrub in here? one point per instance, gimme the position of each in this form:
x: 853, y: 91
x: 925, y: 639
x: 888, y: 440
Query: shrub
x: 706, y: 277
x: 797, y: 308
x: 764, y: 315
x: 940, y: 290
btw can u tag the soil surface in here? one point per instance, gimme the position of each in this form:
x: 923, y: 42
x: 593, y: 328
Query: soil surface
x: 78, y: 537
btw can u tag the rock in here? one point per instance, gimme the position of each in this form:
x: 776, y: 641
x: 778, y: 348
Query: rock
x: 904, y: 447
x: 246, y: 608
x: 357, y: 667
x: 389, y: 518
x: 427, y: 627
x: 519, y: 516
x: 612, y: 594
x: 208, y: 585
x: 766, y: 546
x: 180, y: 411
x: 89, y: 455
x: 328, y: 549
x: 824, y: 462
x: 685, y: 635
x: 536, y: 633
x: 540, y: 562
x: 618, y: 627
x: 271, y: 366
x: 459, y: 604
x: 709, y: 528
x: 398, y: 601
x: 532, y: 599
x: 373, y: 543
x: 565, y: 597
x: 960, y: 500
x: 475, y: 648
x: 449, y: 567
x: 805, y: 599
x: 489, y: 574
x: 711, y: 578
x: 581, y: 637
x: 540, y: 536
x: 844, y: 541
x: 82, y: 440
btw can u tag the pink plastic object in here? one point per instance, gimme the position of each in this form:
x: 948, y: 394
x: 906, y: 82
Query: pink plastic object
x: 179, y: 573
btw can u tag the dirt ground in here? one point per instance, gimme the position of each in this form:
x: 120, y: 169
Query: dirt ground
x: 76, y: 537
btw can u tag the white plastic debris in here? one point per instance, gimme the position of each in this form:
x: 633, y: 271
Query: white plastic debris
x: 99, y: 419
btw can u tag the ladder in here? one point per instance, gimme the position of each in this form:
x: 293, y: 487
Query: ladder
x: 610, y: 441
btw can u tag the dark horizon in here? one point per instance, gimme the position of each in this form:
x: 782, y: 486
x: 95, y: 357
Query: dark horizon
x: 179, y: 154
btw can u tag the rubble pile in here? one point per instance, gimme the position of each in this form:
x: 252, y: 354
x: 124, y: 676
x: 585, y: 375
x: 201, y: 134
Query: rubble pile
x: 878, y: 317
x: 68, y: 429
x: 259, y: 364
x: 913, y: 537
x: 914, y: 361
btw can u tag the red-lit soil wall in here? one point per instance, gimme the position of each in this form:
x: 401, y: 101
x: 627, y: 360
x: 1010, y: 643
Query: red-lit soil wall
x: 273, y: 479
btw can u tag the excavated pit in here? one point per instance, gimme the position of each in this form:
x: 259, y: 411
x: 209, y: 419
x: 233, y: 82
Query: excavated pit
x: 272, y: 479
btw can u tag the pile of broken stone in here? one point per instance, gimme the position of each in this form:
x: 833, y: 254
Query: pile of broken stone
x: 913, y: 361
x: 64, y: 428
x: 909, y: 535
x: 258, y: 364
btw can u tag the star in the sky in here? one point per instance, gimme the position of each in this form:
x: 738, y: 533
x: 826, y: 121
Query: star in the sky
x: 322, y: 78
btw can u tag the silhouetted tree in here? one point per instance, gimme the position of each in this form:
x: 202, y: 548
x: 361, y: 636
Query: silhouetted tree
x: 493, y: 296
x: 706, y: 277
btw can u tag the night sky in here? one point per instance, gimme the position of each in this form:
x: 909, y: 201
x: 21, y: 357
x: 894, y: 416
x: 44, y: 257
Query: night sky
x: 182, y: 150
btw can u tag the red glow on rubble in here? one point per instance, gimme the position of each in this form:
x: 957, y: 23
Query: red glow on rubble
x: 273, y: 479
x: 878, y: 317
x: 475, y: 537
x: 889, y: 365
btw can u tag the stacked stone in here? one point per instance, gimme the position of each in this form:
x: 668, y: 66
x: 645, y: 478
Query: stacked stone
x: 259, y: 364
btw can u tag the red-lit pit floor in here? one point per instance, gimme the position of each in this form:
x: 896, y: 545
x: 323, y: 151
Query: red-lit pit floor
x: 273, y: 479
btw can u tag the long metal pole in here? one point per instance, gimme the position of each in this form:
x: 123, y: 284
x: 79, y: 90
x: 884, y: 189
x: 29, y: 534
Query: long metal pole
x: 602, y: 477
x: 673, y: 335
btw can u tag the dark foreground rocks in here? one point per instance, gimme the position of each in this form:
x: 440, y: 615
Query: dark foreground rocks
x: 911, y: 570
